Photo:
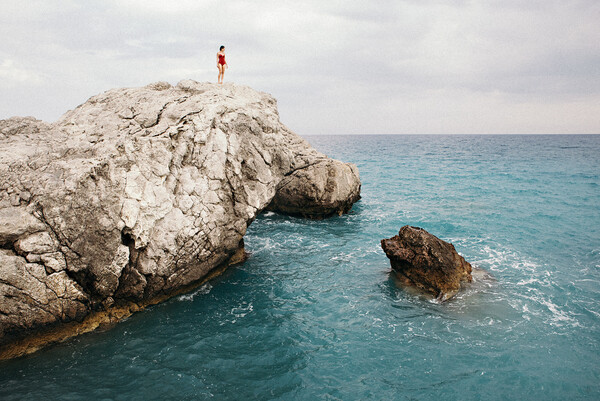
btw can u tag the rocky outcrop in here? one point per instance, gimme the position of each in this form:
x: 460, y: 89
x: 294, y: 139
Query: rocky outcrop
x: 318, y: 191
x: 427, y: 262
x: 142, y: 192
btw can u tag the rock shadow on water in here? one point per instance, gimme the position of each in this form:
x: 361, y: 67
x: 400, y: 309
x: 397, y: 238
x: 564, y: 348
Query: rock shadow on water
x: 469, y: 292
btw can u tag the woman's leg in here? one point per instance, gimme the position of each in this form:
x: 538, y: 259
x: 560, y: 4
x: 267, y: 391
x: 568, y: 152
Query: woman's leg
x: 220, y: 79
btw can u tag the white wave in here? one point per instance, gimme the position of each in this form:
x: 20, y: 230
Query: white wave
x: 499, y: 260
x: 526, y: 312
x: 242, y: 310
x: 594, y: 312
x: 531, y: 280
x: 527, y: 284
x: 257, y: 245
x: 202, y: 290
x: 557, y: 317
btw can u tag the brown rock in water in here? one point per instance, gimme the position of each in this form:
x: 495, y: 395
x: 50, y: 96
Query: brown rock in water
x: 427, y: 262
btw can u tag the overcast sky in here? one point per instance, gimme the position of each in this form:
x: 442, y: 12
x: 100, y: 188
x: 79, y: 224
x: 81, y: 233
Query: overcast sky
x: 335, y: 67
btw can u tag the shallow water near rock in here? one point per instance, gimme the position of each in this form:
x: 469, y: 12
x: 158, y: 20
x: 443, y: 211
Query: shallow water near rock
x: 315, y: 313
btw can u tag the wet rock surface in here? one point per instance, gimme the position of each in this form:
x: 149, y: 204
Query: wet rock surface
x: 427, y: 262
x: 140, y: 192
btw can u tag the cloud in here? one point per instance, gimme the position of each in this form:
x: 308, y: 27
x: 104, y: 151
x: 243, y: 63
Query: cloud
x: 12, y: 75
x: 336, y: 67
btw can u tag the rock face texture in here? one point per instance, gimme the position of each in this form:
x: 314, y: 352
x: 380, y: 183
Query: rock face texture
x: 318, y: 191
x: 427, y: 262
x: 140, y: 192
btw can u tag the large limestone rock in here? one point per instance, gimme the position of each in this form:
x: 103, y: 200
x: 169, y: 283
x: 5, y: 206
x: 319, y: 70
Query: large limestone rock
x: 140, y: 192
x: 427, y: 262
x: 319, y: 190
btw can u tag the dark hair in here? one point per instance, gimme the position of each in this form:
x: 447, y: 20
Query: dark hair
x: 221, y: 48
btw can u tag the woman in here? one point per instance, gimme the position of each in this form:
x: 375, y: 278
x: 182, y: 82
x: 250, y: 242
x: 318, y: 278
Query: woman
x: 221, y: 63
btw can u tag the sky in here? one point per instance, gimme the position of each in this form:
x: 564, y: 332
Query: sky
x: 335, y: 67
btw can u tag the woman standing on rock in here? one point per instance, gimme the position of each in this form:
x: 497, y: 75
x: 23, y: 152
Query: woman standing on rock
x: 221, y: 63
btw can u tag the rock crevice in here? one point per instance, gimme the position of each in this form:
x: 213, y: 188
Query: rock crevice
x: 141, y: 192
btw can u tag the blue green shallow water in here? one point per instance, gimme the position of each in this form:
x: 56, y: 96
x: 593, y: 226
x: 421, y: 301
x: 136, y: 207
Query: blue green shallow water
x: 315, y: 314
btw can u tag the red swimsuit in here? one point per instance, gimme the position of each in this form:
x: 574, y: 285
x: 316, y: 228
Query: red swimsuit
x: 222, y: 59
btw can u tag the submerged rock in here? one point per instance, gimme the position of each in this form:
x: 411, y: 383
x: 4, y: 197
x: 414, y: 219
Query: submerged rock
x: 141, y: 192
x: 427, y: 262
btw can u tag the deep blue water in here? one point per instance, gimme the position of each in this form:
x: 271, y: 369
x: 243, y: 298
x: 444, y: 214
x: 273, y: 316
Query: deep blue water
x: 315, y: 313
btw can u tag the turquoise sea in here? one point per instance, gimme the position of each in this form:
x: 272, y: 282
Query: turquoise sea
x: 315, y: 314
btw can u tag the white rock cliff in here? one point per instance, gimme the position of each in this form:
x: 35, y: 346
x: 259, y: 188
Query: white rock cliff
x: 139, y: 193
